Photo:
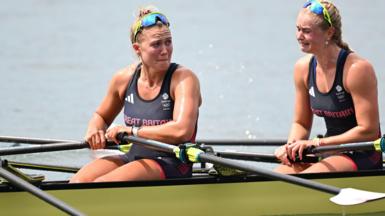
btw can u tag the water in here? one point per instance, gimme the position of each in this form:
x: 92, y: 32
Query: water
x: 57, y: 58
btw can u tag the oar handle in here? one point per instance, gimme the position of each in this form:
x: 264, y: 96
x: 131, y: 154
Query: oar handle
x: 377, y: 145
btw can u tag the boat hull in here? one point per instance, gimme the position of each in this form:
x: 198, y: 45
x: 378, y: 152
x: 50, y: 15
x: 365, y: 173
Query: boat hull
x: 205, y: 195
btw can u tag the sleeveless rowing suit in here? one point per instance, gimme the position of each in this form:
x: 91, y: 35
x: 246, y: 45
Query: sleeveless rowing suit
x: 139, y: 112
x: 337, y: 109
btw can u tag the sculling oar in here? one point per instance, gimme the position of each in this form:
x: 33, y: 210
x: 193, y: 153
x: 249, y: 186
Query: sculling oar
x: 20, y: 183
x: 29, y: 140
x: 260, y: 157
x: 267, y: 142
x: 43, y: 148
x: 344, y: 196
x: 58, y: 147
x: 377, y: 145
x: 251, y: 156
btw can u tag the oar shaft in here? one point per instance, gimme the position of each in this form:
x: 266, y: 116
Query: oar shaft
x: 30, y: 140
x: 209, y: 158
x: 268, y: 173
x: 151, y: 144
x: 18, y: 182
x: 248, y: 156
x: 43, y: 148
x: 362, y: 146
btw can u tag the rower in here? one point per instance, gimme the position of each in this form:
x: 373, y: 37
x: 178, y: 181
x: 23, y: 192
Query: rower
x: 334, y: 83
x: 160, y: 100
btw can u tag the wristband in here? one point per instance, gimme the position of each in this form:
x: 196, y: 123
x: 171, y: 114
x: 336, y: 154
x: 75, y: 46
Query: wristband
x: 135, y: 131
x: 317, y: 142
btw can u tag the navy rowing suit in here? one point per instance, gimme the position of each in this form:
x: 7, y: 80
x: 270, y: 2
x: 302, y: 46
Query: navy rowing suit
x: 337, y: 109
x: 139, y: 112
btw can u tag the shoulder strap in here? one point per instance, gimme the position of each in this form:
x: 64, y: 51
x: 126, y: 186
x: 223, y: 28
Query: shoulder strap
x: 342, y: 56
x: 311, y: 76
x: 167, y: 80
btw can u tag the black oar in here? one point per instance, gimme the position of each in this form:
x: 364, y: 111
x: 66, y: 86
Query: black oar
x: 43, y: 148
x: 344, y: 196
x: 20, y: 183
x: 248, y: 156
x: 30, y: 140
x: 267, y: 142
x: 50, y: 147
x: 260, y: 157
x: 377, y: 145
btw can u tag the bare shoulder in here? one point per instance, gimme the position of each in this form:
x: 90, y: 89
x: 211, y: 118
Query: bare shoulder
x: 124, y: 74
x: 182, y: 73
x: 302, y: 63
x: 358, y: 72
x: 185, y: 79
x: 357, y: 64
x: 301, y: 69
x: 121, y: 79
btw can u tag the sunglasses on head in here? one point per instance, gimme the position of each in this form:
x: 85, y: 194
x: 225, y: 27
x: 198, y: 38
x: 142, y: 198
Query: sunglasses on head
x: 149, y: 20
x: 317, y: 8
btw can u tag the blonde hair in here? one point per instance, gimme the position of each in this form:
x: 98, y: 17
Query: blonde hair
x: 336, y: 24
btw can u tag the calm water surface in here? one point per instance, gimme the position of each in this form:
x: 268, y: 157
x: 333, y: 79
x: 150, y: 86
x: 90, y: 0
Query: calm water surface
x: 57, y: 58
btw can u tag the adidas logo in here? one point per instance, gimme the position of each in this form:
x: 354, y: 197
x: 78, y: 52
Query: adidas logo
x: 130, y: 98
x: 311, y: 91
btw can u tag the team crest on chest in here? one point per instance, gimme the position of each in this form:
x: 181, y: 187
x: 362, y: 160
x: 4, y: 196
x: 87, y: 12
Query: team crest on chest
x: 340, y: 94
x: 166, y: 102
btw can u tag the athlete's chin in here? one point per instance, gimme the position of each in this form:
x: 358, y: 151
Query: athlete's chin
x: 163, y: 63
x: 305, y: 49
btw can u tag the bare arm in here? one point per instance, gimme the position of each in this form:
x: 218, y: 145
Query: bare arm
x: 303, y: 116
x: 360, y: 81
x: 109, y: 108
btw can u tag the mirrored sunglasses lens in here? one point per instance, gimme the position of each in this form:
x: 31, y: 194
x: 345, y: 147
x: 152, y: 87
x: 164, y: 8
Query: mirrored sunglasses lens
x: 152, y: 19
x: 316, y: 8
x: 149, y: 20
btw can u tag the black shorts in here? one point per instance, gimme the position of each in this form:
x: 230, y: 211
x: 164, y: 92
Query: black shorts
x: 365, y: 160
x: 171, y: 166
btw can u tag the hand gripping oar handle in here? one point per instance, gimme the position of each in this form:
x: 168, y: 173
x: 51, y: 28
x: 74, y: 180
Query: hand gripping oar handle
x: 377, y: 145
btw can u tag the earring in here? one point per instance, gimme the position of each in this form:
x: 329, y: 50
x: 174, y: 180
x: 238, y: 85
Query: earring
x: 326, y: 42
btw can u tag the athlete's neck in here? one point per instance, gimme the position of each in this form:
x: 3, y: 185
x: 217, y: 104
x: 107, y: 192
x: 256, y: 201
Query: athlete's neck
x: 327, y: 58
x: 151, y: 77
